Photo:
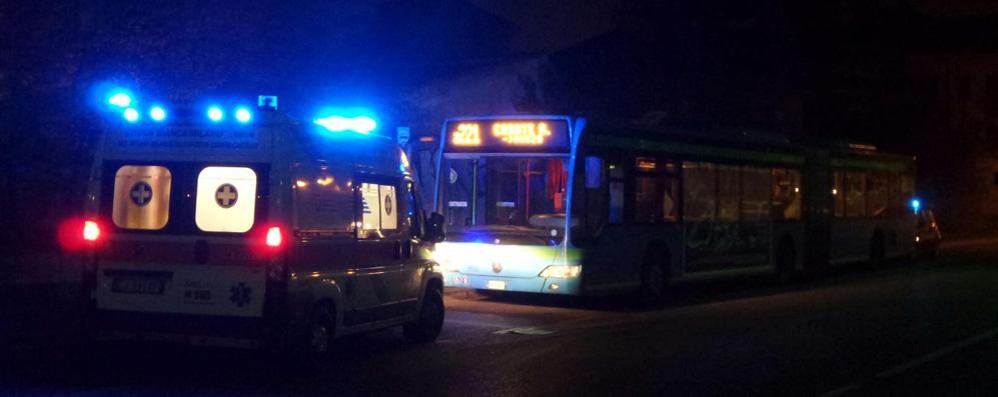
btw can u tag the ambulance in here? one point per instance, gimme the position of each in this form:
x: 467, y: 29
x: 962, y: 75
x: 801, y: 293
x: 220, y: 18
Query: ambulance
x: 234, y: 225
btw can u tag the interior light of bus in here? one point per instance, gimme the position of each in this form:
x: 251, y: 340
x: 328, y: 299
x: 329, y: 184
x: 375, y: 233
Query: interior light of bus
x: 157, y: 113
x: 645, y: 163
x: 120, y: 99
x: 561, y: 271
x: 467, y: 134
x: 835, y: 191
x: 215, y: 114
x: 274, y: 237
x: 521, y: 133
x: 91, y: 231
x: 131, y: 115
x: 243, y: 115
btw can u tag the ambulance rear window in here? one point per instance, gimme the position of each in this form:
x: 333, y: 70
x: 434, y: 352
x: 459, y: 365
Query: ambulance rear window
x: 185, y: 197
x: 226, y: 199
x: 141, y: 197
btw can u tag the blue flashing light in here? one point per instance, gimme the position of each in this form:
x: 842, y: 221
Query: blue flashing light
x: 915, y: 204
x: 131, y: 115
x: 364, y: 124
x: 243, y: 115
x: 157, y: 113
x: 120, y: 99
x: 215, y: 114
x: 359, y: 124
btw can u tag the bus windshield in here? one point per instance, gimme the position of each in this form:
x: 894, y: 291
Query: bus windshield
x: 503, y: 194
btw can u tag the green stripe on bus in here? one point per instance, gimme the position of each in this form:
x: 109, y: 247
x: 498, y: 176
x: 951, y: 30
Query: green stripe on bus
x: 717, y: 152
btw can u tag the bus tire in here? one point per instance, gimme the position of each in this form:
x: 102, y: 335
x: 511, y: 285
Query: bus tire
x: 877, y: 253
x: 786, y: 260
x: 430, y: 319
x: 654, y: 275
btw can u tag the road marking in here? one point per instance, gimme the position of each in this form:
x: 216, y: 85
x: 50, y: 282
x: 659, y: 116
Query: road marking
x: 843, y: 390
x: 524, y: 331
x: 925, y: 359
x: 939, y: 353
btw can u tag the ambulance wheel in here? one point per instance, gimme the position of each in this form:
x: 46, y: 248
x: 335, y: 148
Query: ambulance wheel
x: 313, y: 348
x: 431, y: 318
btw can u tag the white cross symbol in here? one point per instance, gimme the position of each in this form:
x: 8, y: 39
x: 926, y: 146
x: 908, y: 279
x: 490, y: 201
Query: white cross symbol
x: 141, y: 194
x: 226, y: 195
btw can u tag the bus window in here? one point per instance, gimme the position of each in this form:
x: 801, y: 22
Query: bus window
x: 141, y: 197
x: 755, y: 194
x: 786, y: 194
x: 226, y: 199
x: 894, y: 193
x: 728, y: 192
x: 324, y: 200
x: 655, y: 191
x: 855, y: 194
x: 838, y: 193
x: 616, y: 187
x: 876, y: 195
x: 379, y: 211
x: 699, y: 191
x: 590, y: 205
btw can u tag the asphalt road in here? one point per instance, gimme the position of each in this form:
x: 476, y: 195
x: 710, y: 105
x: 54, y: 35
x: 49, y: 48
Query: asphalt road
x: 922, y: 327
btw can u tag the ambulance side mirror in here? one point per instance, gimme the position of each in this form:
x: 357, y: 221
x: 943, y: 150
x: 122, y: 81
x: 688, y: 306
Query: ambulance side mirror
x: 435, y: 228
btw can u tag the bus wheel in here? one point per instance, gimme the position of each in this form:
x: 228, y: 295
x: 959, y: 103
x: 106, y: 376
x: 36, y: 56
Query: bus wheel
x: 786, y: 261
x: 877, y: 250
x: 653, y: 277
x: 431, y: 318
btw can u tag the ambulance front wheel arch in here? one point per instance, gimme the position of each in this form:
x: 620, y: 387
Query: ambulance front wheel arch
x: 430, y: 318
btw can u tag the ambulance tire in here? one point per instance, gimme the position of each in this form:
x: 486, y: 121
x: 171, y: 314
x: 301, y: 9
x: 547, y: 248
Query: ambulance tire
x: 311, y: 352
x: 431, y: 318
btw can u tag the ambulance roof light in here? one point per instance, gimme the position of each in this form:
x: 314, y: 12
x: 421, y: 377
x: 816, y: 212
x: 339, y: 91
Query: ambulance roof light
x: 359, y: 124
x: 131, y: 115
x: 157, y: 113
x: 120, y: 99
x: 243, y: 115
x: 267, y: 101
x: 215, y: 114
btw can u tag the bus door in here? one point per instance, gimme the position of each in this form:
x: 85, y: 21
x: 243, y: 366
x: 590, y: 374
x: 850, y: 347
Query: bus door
x: 378, y: 288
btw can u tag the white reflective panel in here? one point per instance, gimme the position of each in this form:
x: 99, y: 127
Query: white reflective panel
x: 389, y: 208
x: 141, y: 197
x: 226, y: 199
x: 371, y: 203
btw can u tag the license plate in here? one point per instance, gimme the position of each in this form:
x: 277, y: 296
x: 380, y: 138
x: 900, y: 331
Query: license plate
x: 495, y: 284
x: 145, y: 286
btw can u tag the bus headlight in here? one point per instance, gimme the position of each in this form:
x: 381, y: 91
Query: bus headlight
x: 561, y: 271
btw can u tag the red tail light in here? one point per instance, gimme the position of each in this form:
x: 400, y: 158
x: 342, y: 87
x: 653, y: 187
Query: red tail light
x: 91, y: 231
x: 274, y: 237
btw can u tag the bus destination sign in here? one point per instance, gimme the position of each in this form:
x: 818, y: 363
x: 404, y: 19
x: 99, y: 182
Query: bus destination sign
x: 508, y: 136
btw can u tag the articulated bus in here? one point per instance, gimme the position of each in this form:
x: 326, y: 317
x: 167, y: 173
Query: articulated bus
x: 649, y: 207
x: 242, y: 227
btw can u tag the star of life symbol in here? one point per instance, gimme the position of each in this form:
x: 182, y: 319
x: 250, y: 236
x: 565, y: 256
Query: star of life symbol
x: 240, y: 294
x: 226, y: 195
x: 141, y: 193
